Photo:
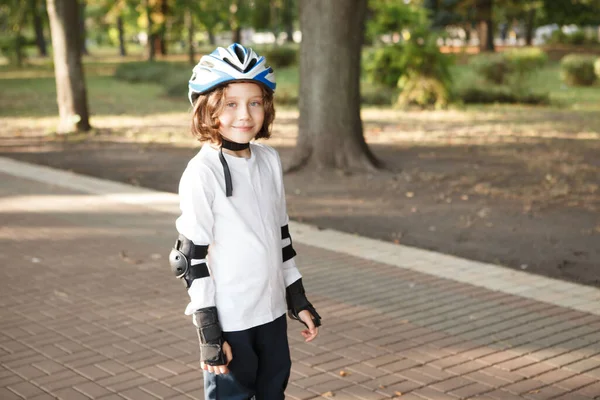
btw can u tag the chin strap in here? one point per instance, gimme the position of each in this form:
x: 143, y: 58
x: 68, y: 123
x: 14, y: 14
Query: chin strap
x: 233, y: 146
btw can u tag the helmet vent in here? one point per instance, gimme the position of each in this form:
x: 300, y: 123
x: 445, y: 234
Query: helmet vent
x: 239, y: 53
x: 228, y: 61
x: 251, y: 64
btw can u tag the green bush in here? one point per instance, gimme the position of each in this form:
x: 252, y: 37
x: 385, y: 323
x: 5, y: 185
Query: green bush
x: 427, y: 79
x: 578, y: 69
x: 494, y: 67
x: 281, y: 56
x: 148, y: 71
x: 501, y: 94
x: 597, y: 67
x: 384, y: 65
x: 377, y: 95
x: 577, y: 38
x: 176, y: 83
x: 523, y: 61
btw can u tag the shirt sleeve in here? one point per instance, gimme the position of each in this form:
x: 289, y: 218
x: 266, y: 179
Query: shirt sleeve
x: 196, y: 223
x: 290, y: 271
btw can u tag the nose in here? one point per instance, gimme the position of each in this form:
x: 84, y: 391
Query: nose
x: 243, y: 113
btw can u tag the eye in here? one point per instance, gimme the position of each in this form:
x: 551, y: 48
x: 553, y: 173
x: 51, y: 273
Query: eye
x: 256, y: 103
x: 230, y: 105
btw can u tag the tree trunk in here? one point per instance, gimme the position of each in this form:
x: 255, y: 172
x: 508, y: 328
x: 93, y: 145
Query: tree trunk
x: 82, y: 30
x: 70, y: 82
x: 150, y: 44
x: 121, y: 30
x: 236, y: 35
x: 211, y: 37
x: 529, y: 26
x: 234, y: 22
x: 486, y: 25
x: 38, y: 27
x: 189, y: 23
x: 330, y: 128
x: 162, y: 33
x: 288, y: 19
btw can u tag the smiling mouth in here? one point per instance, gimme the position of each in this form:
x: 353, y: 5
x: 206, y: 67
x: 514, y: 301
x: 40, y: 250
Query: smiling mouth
x: 243, y: 128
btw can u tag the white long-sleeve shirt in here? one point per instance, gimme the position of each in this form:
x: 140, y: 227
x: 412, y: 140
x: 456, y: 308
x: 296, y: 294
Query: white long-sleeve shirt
x: 248, y: 275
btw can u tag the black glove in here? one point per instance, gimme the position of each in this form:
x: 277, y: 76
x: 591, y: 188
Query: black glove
x: 210, y: 335
x: 297, y: 301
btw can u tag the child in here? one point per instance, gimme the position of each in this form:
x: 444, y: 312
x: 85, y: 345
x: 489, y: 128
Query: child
x: 233, y: 215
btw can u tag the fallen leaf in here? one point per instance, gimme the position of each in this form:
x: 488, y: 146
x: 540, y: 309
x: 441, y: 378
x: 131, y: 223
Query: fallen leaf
x: 381, y: 386
x: 344, y: 373
x: 128, y: 259
x: 328, y: 394
x: 410, y: 194
x: 398, y: 394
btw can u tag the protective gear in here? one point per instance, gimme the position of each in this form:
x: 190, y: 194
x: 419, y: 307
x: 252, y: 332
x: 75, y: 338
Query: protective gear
x: 297, y: 301
x: 210, y: 336
x: 180, y: 259
x: 288, y: 251
x: 235, y: 63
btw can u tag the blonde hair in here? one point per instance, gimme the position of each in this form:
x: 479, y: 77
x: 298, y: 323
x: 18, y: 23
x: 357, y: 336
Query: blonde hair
x: 208, y: 107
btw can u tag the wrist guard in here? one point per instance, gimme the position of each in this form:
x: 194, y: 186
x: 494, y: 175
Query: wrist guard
x: 210, y: 335
x: 297, y: 301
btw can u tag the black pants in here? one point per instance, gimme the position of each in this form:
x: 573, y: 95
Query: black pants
x: 260, y: 367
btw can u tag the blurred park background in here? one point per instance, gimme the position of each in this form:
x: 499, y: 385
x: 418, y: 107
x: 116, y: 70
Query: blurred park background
x: 476, y: 122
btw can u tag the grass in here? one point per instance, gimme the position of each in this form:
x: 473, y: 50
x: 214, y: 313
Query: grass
x: 545, y: 79
x: 31, y: 92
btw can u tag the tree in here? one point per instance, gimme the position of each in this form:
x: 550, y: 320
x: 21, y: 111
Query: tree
x: 149, y: 9
x: 161, y: 31
x: 70, y: 83
x: 189, y: 25
x: 13, y: 15
x: 486, y: 24
x: 287, y: 19
x: 82, y: 28
x: 330, y: 128
x: 579, y: 12
x: 38, y: 27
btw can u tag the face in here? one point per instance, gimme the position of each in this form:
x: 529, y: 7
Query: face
x: 243, y: 112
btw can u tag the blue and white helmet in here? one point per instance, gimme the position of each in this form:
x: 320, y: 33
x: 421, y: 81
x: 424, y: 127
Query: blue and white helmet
x: 234, y: 63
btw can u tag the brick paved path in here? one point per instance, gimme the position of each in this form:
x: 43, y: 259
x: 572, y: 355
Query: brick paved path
x: 89, y: 309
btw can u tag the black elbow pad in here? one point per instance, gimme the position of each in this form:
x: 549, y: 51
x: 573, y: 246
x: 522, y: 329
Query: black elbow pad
x: 180, y: 259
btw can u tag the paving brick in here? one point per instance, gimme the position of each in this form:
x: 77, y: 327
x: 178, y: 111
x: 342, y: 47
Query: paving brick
x: 545, y: 393
x: 451, y: 384
x: 362, y: 393
x: 575, y: 382
x: 440, y: 334
x: 400, y: 387
x: 524, y: 386
x: 92, y: 390
x: 137, y: 394
x: 470, y: 391
x: 296, y: 392
x: 329, y: 386
x: 584, y: 365
x: 432, y: 394
x: 534, y: 369
x: 592, y: 390
x: 69, y: 394
x: 465, y: 368
x: 401, y: 365
x: 159, y: 390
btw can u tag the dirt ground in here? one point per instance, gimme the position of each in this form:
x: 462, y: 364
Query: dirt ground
x: 523, y: 200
